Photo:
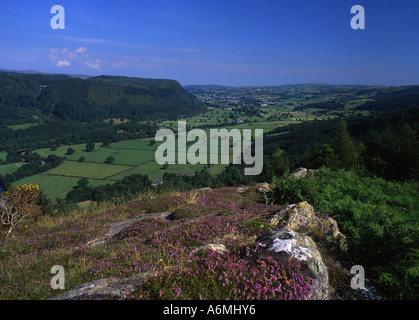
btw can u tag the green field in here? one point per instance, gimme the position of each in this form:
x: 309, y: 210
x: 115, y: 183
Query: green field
x: 9, y: 168
x: 138, y: 156
x: 56, y: 186
x: 21, y: 126
x: 131, y: 157
x: 86, y: 170
x: 61, y: 151
x: 134, y: 145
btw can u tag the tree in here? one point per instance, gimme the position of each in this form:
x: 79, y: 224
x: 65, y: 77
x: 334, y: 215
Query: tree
x: 279, y: 163
x: 344, y: 149
x: 109, y: 160
x: 70, y: 151
x: 82, y: 183
x: 17, y: 204
x: 90, y: 147
x: 81, y: 159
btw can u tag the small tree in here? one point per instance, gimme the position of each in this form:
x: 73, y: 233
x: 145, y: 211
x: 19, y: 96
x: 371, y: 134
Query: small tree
x: 90, y: 147
x: 345, y: 152
x: 82, y: 183
x: 109, y: 160
x: 279, y: 163
x: 17, y: 204
x: 70, y: 151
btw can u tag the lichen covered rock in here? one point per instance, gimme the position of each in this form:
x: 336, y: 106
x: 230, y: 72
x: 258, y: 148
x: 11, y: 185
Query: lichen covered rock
x: 301, y: 217
x: 294, y: 245
x: 106, y: 289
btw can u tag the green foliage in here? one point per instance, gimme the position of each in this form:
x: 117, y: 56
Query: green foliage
x: 127, y: 188
x: 279, y: 163
x: 34, y: 164
x: 109, y: 160
x: 58, y: 107
x: 378, y: 217
x: 82, y: 183
x: 386, y: 145
x: 90, y: 147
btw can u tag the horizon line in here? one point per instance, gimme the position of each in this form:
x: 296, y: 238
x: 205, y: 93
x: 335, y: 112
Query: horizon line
x: 207, y: 84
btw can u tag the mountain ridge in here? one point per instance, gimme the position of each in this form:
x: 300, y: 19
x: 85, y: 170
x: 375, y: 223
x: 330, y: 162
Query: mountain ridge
x: 94, y: 98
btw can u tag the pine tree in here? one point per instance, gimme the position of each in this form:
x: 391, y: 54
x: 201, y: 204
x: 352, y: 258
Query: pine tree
x: 345, y: 151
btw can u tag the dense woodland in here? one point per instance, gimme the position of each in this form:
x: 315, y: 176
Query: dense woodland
x: 35, y: 96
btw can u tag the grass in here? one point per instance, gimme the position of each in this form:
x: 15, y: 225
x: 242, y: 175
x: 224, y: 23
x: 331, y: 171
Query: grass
x: 131, y: 157
x: 56, y: 186
x: 87, y: 170
x: 124, y: 157
x: 61, y: 151
x: 154, y: 170
x: 21, y: 126
x: 143, y: 144
x: 10, y: 168
x: 138, y: 156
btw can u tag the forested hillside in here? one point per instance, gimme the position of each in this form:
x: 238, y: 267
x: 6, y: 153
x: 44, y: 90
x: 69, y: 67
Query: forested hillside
x: 40, y: 110
x: 384, y: 144
x: 25, y: 97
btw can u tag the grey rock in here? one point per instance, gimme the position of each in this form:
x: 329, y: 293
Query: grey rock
x: 301, y: 217
x: 299, y: 246
x: 219, y: 248
x: 117, y: 227
x: 263, y: 187
x: 299, y: 173
x: 106, y: 289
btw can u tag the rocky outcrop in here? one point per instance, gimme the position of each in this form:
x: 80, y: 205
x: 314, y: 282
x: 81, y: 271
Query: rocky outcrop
x: 299, y: 173
x: 106, y: 289
x: 263, y: 187
x: 302, y: 173
x: 301, y: 217
x: 301, y: 247
x: 117, y: 227
x: 217, y: 247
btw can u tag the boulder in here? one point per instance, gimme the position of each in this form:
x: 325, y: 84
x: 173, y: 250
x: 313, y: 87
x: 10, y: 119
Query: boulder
x: 263, y: 187
x: 301, y: 217
x: 302, y: 173
x: 242, y: 189
x: 106, y: 289
x: 298, y: 246
x: 203, y: 189
x: 299, y: 173
x: 217, y: 247
x: 117, y: 227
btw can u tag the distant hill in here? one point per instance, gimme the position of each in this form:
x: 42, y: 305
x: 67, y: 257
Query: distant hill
x: 27, y: 94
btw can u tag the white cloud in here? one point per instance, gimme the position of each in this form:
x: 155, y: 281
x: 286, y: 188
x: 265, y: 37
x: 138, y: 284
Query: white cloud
x: 63, y: 63
x: 81, y: 50
x: 64, y: 57
x: 94, y: 65
x: 119, y: 64
x: 129, y: 45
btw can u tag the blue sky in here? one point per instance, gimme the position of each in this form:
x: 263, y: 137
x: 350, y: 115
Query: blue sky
x: 228, y: 42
